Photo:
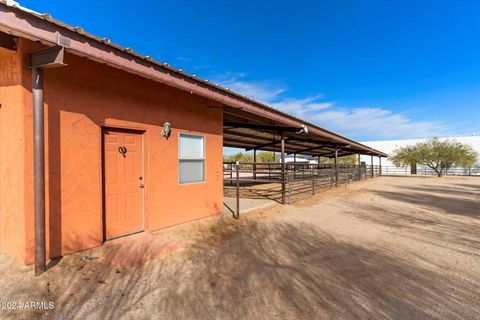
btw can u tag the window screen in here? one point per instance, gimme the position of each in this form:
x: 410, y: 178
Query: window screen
x: 191, y: 155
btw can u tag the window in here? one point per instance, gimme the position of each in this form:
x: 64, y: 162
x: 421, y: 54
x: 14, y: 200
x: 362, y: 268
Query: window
x: 191, y: 158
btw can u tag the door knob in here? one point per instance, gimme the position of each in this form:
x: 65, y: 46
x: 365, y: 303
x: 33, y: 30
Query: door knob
x: 142, y: 185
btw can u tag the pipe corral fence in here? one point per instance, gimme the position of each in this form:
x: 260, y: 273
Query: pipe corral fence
x: 282, y: 182
x: 425, y: 171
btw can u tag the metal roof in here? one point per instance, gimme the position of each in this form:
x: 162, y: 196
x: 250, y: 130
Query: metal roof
x: 245, y: 108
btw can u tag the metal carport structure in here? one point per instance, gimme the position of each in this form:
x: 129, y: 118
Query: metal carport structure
x: 283, y: 133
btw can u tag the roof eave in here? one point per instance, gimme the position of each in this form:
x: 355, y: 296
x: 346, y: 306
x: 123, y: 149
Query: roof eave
x: 43, y: 28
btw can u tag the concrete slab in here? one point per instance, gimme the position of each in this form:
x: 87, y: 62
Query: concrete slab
x: 246, y: 205
x: 136, y: 250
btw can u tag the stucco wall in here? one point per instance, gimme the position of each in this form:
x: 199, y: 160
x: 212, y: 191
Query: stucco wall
x: 79, y: 100
x: 12, y: 144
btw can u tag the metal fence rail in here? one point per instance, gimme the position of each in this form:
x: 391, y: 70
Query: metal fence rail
x: 456, y: 171
x: 282, y: 182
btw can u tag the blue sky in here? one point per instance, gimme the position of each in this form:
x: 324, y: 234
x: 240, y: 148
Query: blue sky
x: 370, y: 70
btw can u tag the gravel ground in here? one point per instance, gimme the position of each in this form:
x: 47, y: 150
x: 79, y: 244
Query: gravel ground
x: 387, y: 248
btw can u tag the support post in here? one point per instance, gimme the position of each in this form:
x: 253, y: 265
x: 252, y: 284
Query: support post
x: 237, y: 169
x: 274, y: 148
x: 359, y: 168
x: 254, y: 164
x: 313, y: 180
x: 39, y: 170
x: 380, y: 166
x: 332, y: 175
x: 294, y: 164
x: 336, y: 167
x: 289, y: 192
x: 283, y: 167
x: 371, y: 162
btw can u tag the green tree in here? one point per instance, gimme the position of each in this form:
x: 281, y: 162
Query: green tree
x: 240, y: 157
x: 346, y: 160
x: 265, y: 156
x: 436, y: 154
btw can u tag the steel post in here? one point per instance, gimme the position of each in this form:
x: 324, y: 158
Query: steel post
x: 237, y: 169
x: 294, y: 164
x: 254, y: 164
x: 313, y: 180
x: 283, y: 167
x: 39, y: 170
x: 359, y: 168
x: 371, y: 162
x: 336, y: 167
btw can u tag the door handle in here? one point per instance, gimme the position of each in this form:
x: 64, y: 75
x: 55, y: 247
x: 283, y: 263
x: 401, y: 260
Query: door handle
x: 142, y: 185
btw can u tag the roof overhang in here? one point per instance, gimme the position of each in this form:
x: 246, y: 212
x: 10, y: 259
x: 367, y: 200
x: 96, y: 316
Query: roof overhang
x: 21, y: 22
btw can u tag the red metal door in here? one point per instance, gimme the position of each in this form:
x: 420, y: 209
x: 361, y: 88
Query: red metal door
x: 124, y: 182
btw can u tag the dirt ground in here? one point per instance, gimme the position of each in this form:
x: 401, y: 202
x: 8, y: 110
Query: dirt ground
x: 387, y: 248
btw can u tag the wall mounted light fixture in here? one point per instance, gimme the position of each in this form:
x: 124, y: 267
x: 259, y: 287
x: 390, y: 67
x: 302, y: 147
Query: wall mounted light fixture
x: 304, y: 129
x: 167, y: 128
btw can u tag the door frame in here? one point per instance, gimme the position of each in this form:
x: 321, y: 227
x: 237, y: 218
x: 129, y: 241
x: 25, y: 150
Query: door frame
x: 140, y: 132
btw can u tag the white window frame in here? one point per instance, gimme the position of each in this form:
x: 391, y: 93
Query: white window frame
x: 202, y: 159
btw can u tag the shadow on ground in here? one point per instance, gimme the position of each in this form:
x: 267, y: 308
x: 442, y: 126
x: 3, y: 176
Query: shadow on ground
x: 252, y: 270
x: 446, y: 216
x: 289, y: 268
x: 446, y: 200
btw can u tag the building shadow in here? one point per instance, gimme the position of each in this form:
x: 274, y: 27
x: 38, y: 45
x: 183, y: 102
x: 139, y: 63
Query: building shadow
x: 251, y: 270
x: 449, y: 202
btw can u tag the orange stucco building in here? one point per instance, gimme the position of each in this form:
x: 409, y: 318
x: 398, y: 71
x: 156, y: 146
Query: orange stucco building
x: 99, y: 142
x: 82, y: 101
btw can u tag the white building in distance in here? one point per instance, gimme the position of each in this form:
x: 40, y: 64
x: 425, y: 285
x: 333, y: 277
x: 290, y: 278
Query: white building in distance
x: 298, y: 159
x: 389, y: 146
